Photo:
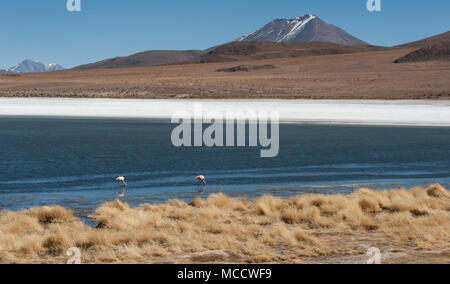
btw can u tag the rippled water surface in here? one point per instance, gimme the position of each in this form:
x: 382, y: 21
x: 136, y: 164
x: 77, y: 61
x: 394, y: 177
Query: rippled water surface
x: 73, y: 162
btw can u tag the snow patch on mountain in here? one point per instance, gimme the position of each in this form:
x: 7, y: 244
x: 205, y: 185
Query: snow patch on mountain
x: 53, y: 67
x: 299, y: 25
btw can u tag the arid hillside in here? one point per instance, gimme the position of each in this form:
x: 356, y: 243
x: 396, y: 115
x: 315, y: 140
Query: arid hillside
x: 6, y: 73
x: 362, y: 75
x: 254, y: 50
x: 440, y: 38
x: 438, y: 51
x: 147, y: 58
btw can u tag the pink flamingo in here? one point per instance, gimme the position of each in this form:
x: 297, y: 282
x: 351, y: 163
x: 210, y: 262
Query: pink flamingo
x: 123, y: 186
x: 202, y: 179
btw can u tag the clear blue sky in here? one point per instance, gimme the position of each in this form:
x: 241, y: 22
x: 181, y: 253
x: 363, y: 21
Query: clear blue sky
x: 45, y: 31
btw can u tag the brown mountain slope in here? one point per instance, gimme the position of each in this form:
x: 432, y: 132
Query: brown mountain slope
x: 440, y: 51
x: 256, y: 50
x: 6, y: 73
x: 440, y: 38
x: 147, y: 58
x: 362, y: 75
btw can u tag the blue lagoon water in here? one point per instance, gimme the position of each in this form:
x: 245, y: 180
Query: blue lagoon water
x: 73, y: 162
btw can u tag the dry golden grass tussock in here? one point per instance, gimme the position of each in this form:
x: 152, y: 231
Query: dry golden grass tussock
x: 223, y: 229
x: 51, y: 214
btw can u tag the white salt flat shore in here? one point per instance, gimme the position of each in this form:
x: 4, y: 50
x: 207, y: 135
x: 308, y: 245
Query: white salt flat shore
x: 364, y: 112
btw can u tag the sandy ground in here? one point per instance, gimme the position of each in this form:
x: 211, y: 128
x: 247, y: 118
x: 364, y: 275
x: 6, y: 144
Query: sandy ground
x: 367, y: 75
x: 373, y: 112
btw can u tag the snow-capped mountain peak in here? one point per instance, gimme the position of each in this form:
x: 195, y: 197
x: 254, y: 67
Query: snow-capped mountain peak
x: 307, y: 28
x: 29, y: 66
x: 53, y: 67
x: 14, y: 68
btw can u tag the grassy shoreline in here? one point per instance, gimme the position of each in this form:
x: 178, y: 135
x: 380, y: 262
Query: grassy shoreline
x: 406, y: 225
